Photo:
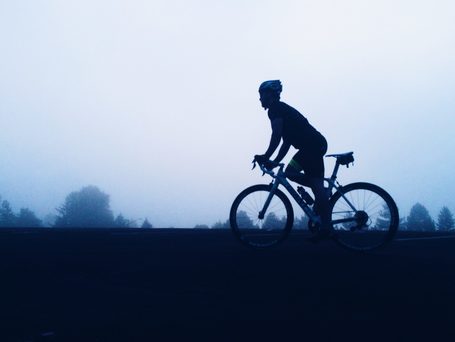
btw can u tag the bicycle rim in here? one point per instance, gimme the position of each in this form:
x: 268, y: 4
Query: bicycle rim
x: 256, y: 231
x: 365, y: 218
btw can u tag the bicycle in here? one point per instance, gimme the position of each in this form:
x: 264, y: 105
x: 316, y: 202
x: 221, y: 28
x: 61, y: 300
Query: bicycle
x: 364, y: 216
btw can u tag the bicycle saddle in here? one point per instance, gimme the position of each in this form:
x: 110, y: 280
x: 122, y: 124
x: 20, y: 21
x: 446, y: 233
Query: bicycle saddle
x: 343, y: 158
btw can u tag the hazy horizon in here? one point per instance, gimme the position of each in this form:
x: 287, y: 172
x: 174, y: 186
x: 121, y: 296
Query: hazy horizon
x: 156, y: 103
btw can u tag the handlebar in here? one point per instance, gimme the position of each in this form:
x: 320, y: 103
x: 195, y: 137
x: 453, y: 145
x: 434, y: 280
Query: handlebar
x: 269, y: 172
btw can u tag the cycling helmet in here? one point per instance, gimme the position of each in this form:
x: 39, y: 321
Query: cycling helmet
x: 274, y: 86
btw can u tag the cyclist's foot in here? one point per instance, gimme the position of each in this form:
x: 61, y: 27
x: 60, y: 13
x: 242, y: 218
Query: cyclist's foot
x: 321, y: 235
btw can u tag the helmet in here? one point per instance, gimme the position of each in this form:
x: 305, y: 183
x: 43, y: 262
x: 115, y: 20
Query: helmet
x: 274, y: 86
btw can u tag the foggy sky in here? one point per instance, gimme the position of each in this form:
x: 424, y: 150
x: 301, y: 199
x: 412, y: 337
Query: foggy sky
x: 156, y: 103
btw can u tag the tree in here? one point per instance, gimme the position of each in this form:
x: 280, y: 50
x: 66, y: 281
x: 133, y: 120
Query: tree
x: 201, y: 226
x: 243, y: 220
x: 121, y: 222
x: 49, y: 220
x: 222, y: 225
x: 403, y: 225
x: 384, y: 218
x: 7, y: 217
x: 419, y: 219
x: 445, y: 219
x: 146, y: 224
x: 88, y: 207
x: 27, y: 218
x: 273, y: 222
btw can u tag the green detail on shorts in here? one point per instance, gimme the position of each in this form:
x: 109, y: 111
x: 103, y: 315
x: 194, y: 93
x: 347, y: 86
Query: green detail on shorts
x: 295, y: 165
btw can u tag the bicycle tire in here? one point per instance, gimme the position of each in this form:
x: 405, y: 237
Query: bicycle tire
x: 250, y: 230
x: 370, y: 228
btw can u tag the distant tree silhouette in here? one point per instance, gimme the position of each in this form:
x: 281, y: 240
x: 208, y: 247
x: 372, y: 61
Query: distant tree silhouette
x: 384, y: 218
x: 121, y: 222
x: 419, y: 219
x: 49, y: 220
x: 273, y: 222
x: 146, y: 224
x: 445, y: 219
x: 7, y: 217
x: 27, y: 218
x: 221, y: 225
x: 201, y: 226
x: 403, y: 225
x: 243, y: 220
x: 88, y: 207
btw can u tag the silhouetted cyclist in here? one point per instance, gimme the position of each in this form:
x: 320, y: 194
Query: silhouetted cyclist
x: 294, y: 129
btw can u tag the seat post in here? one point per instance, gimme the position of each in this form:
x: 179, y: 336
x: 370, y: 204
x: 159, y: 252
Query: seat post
x: 341, y: 159
x: 335, y: 171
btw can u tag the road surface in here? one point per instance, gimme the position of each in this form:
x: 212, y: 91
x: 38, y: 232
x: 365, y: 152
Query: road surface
x: 186, y: 284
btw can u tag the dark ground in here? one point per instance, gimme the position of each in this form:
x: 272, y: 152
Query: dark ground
x: 137, y: 285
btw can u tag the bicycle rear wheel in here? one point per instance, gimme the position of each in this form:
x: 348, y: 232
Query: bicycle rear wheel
x: 364, y: 216
x: 255, y: 230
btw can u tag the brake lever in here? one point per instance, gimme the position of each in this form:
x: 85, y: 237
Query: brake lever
x: 254, y: 166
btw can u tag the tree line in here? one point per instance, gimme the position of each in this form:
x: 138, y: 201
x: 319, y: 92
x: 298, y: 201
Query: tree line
x: 419, y: 219
x: 90, y: 207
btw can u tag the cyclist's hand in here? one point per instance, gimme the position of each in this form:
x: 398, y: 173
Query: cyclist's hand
x: 269, y: 164
x: 260, y: 158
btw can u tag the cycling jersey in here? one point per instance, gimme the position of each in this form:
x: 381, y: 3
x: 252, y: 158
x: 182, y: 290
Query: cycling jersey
x: 297, y: 131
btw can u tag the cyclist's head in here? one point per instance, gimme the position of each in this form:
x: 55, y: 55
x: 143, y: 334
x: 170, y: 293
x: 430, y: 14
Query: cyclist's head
x: 269, y: 92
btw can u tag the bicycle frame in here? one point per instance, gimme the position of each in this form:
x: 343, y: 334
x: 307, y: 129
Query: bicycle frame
x: 281, y: 179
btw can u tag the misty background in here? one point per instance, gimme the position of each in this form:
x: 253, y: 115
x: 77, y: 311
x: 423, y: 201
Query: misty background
x: 156, y: 103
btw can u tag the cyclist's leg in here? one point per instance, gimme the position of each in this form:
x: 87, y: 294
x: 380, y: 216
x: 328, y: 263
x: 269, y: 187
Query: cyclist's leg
x: 313, y: 166
x: 311, y: 161
x: 321, y: 205
x: 294, y: 168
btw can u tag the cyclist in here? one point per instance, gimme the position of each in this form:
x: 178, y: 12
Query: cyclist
x: 294, y: 129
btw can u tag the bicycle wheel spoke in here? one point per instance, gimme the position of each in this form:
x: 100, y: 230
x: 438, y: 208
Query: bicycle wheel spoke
x: 266, y: 231
x: 251, y: 210
x: 374, y: 221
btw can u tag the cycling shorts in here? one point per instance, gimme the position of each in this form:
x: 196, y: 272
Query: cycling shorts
x: 310, y: 160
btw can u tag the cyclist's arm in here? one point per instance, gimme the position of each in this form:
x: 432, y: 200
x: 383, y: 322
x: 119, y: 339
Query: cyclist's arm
x: 277, y: 132
x: 282, y: 153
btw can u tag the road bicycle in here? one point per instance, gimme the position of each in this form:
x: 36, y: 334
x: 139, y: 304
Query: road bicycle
x: 363, y: 215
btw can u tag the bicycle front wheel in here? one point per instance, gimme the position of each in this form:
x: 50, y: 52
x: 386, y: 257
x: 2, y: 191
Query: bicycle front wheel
x: 364, y: 216
x: 259, y: 229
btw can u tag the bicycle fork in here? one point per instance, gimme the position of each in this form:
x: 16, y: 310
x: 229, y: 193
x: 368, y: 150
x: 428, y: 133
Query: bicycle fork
x: 268, y: 200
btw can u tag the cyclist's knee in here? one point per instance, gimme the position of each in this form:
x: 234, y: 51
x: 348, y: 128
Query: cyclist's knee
x: 291, y: 169
x: 293, y: 173
x: 294, y: 166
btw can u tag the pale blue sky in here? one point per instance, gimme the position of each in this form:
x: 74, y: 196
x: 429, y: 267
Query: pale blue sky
x: 156, y: 102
